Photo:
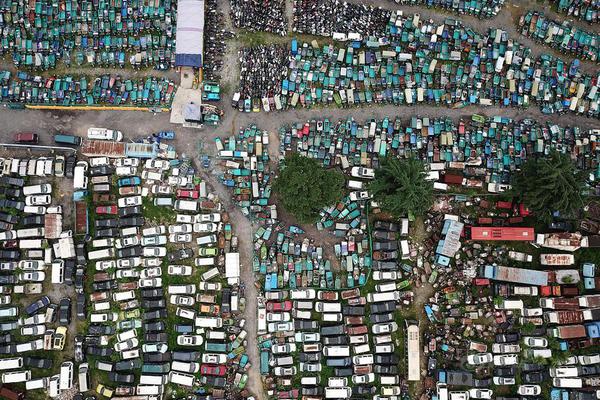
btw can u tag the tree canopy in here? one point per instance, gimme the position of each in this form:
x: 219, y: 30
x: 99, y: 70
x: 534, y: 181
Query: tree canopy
x: 305, y: 187
x: 400, y: 186
x: 549, y: 184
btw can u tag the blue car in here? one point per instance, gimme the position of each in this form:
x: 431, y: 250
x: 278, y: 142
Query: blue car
x: 170, y: 135
x: 129, y: 181
x: 36, y: 306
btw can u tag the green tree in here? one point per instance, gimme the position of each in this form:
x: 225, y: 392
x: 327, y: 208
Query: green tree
x: 305, y: 187
x: 400, y: 186
x: 550, y: 184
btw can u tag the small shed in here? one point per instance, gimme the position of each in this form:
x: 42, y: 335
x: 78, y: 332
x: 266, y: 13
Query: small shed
x: 232, y: 268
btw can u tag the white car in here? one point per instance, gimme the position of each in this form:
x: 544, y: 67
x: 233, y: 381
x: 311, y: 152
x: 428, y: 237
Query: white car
x: 161, y: 189
x: 177, y: 180
x: 535, y: 341
x: 150, y: 283
x: 32, y: 265
x: 205, y: 227
x: 125, y: 171
x: 365, y: 359
x: 285, y: 371
x: 181, y: 228
x: 190, y: 340
x: 506, y: 359
x: 503, y: 380
x: 40, y: 210
x: 179, y: 270
x: 280, y: 327
x: 127, y: 273
x: 154, y: 230
x: 589, y: 359
x: 127, y: 162
x: 152, y: 262
x: 384, y: 348
x: 209, y: 286
x: 154, y: 251
x: 184, y: 219
x: 359, y: 195
x: 128, y: 241
x: 385, y: 275
x: 151, y: 272
x: 278, y: 317
x: 529, y: 390
x: 155, y: 240
x: 54, y: 210
x: 158, y: 164
x: 363, y: 379
x: 38, y: 200
x: 362, y: 172
x: 155, y: 348
x: 303, y: 294
x: 214, y: 358
x: 479, y: 359
x: 480, y: 393
x: 214, y: 217
x: 130, y: 201
x: 505, y: 348
x: 33, y: 330
x: 98, y: 161
x: 283, y: 348
x: 180, y: 300
x: 5, y: 299
x: 387, y: 327
x: 307, y: 337
x: 126, y: 345
x: 152, y: 175
x: 497, y: 187
x: 34, y: 276
x: 131, y: 262
x: 104, y: 265
x: 180, y: 238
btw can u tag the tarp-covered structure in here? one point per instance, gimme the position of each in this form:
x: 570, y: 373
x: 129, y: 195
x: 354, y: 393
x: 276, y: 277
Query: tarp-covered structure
x: 190, y: 33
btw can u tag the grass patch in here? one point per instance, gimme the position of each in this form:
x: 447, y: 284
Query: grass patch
x: 157, y: 214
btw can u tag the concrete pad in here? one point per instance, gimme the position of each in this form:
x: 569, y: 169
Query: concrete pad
x: 182, y: 98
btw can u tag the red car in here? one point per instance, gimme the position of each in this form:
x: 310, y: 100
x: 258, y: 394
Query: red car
x: 288, y: 394
x: 279, y: 306
x: 188, y: 194
x: 216, y: 370
x: 112, y: 210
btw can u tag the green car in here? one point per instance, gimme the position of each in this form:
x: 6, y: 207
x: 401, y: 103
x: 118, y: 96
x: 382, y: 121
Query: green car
x: 208, y: 252
x: 129, y: 314
x: 243, y: 381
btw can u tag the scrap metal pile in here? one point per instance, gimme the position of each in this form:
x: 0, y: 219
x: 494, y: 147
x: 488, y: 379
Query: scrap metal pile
x: 479, y: 8
x: 214, y: 41
x: 117, y: 33
x: 260, y: 15
x: 586, y: 10
x: 562, y: 36
x: 325, y: 18
x: 69, y: 90
x: 262, y: 69
x: 445, y: 64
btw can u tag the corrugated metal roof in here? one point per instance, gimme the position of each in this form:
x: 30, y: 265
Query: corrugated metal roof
x: 452, y: 239
x: 53, y: 226
x: 97, y: 148
x: 81, y: 218
x: 502, y: 234
x: 521, y: 275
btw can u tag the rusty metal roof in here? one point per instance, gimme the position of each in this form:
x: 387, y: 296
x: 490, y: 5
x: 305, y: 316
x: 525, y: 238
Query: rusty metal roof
x: 96, y: 148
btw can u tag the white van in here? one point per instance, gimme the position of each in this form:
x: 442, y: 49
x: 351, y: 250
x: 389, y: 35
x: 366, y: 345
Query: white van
x: 44, y: 188
x: 186, y: 205
x: 58, y: 271
x: 84, y: 378
x: 16, y: 376
x: 511, y: 305
x: 35, y: 384
x: 53, y: 386
x: 181, y: 289
x: 123, y: 296
x: 29, y: 244
x: 189, y: 367
x: 11, y: 363
x: 301, y: 314
x: 211, y: 273
x: 381, y: 297
x: 204, y: 262
x: 332, y: 317
x: 80, y: 181
x: 181, y: 378
x: 208, y: 322
x: 321, y: 306
x: 303, y: 305
x: 101, y: 254
x: 336, y: 351
x: 355, y: 185
x: 105, y: 134
x: 310, y: 380
x: 206, y: 240
x: 567, y: 382
x: 107, y: 242
x: 215, y: 335
x: 385, y: 287
x: 148, y: 390
x: 126, y: 335
x: 389, y: 379
x: 362, y: 349
x: 30, y: 232
x: 338, y: 393
x: 100, y: 306
x: 154, y: 379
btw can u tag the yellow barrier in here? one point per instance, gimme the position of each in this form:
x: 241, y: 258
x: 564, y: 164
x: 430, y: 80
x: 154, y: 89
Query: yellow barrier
x: 92, y: 108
